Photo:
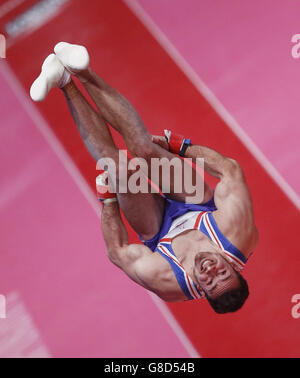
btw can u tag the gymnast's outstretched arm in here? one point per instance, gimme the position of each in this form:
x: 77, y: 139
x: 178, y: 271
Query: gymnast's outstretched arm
x: 235, y: 215
x: 131, y: 258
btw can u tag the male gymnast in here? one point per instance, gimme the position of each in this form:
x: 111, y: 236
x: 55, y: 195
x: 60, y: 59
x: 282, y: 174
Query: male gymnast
x: 189, y: 250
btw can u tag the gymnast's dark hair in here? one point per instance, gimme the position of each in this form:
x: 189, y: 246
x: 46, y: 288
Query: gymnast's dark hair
x: 232, y: 300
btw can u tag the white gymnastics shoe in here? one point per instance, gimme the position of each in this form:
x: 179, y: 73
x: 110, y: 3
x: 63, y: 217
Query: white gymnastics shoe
x: 53, y: 74
x: 75, y: 58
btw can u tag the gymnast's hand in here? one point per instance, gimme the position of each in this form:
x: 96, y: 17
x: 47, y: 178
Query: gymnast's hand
x: 172, y: 142
x: 161, y: 141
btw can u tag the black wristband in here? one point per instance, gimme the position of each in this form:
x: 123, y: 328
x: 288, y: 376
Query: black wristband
x: 186, y: 143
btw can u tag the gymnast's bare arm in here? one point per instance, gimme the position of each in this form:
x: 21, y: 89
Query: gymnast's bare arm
x: 235, y: 215
x: 133, y: 259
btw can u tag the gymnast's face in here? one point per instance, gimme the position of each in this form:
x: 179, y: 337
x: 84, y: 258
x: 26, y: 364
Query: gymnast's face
x: 214, y: 274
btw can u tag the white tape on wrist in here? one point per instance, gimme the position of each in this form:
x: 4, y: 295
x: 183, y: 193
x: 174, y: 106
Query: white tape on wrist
x: 109, y: 200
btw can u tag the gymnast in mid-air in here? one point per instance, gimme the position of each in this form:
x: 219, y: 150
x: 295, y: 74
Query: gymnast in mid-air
x: 189, y: 250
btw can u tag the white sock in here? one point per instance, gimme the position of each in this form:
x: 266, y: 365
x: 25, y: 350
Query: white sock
x: 75, y: 58
x: 53, y: 74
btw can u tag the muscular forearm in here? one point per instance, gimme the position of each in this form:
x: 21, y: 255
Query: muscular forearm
x: 214, y: 163
x: 114, y: 230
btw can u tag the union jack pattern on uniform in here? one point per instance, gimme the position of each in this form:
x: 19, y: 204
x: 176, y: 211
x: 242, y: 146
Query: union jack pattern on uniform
x: 204, y: 222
